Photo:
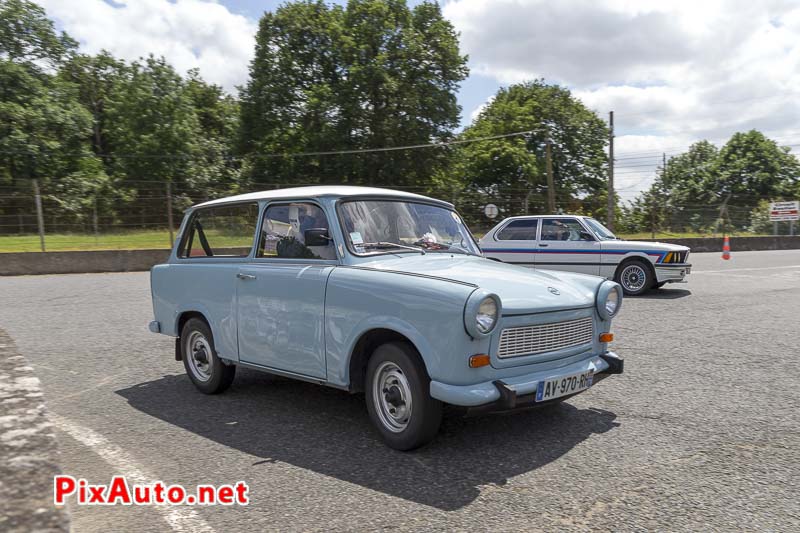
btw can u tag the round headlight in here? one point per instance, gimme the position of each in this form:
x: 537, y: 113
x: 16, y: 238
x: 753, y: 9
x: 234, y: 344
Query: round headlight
x: 486, y: 317
x: 482, y: 313
x: 612, y: 302
x: 609, y: 299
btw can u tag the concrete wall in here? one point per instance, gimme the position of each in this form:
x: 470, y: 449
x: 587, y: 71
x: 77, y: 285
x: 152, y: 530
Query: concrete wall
x: 16, y: 264
x: 23, y: 263
x: 741, y: 244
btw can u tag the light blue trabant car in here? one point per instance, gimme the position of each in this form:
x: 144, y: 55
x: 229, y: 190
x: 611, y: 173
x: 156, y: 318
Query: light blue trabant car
x: 381, y: 292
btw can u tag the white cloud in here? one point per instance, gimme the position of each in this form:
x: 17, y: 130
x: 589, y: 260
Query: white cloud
x: 188, y: 33
x: 673, y: 72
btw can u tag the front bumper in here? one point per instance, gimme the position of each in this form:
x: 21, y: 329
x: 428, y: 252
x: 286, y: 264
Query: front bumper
x: 505, y: 393
x: 672, y: 273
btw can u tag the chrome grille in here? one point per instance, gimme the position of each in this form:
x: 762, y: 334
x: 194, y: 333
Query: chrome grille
x: 531, y: 340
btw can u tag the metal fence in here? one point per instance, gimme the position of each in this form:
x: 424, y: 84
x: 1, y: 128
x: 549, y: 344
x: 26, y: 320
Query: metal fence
x: 145, y: 214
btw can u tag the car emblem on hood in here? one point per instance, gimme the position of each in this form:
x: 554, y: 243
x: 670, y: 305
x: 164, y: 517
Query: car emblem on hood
x: 553, y: 290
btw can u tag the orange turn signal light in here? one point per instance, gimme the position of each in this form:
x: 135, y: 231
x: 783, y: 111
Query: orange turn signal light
x: 479, y: 360
x: 606, y: 337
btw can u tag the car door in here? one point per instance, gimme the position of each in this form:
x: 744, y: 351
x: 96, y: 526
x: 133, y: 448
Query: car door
x: 281, y: 294
x: 514, y: 242
x: 565, y: 244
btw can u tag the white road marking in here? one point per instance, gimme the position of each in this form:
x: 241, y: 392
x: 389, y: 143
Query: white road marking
x: 741, y: 269
x: 178, y: 518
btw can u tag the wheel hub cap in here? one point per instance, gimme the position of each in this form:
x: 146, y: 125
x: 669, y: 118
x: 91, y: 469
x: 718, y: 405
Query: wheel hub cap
x: 199, y: 351
x: 392, y: 397
x: 633, y: 277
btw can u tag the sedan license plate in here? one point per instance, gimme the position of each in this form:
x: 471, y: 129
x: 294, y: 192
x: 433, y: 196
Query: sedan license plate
x: 563, y: 385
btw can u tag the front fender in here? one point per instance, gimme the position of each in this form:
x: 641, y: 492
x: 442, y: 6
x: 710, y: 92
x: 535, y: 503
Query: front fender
x: 425, y: 310
x: 404, y: 328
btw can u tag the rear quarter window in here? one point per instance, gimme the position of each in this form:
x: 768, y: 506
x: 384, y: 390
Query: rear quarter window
x: 224, y: 231
x: 519, y: 230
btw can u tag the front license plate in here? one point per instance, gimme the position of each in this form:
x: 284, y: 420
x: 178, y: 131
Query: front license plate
x: 563, y: 385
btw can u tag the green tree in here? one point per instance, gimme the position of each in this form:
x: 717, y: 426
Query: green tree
x: 27, y: 36
x: 97, y: 78
x: 153, y: 123
x: 688, y: 193
x: 43, y: 127
x: 511, y: 171
x: 750, y: 168
x: 213, y: 172
x: 371, y: 75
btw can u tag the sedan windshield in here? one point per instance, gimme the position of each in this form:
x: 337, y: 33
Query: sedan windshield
x: 602, y: 232
x: 390, y: 226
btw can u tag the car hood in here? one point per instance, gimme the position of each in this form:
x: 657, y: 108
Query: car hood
x: 643, y: 245
x: 521, y: 290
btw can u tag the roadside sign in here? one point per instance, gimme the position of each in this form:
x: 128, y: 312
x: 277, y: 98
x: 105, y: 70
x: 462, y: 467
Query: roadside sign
x: 491, y: 211
x: 779, y: 211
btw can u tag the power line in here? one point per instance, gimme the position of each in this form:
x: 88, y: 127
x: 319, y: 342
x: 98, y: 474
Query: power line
x: 285, y: 154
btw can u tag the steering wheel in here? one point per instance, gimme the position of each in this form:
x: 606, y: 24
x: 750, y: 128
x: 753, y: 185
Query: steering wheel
x: 385, y: 229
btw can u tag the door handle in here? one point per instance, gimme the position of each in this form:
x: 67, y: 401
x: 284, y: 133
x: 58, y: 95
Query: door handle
x: 245, y: 276
x: 543, y: 245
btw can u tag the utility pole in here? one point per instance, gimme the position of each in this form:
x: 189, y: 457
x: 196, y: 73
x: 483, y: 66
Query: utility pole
x: 169, y: 212
x: 611, y: 202
x: 39, y: 215
x: 551, y: 188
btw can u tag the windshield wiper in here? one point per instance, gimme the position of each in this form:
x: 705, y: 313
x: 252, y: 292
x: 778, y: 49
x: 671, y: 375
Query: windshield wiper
x: 384, y: 244
x: 452, y: 250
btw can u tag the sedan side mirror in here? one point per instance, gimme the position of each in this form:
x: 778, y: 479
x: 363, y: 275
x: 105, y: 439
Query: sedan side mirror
x: 586, y: 236
x: 317, y: 237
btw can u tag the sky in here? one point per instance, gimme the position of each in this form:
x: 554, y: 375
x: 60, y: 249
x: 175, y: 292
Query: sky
x: 672, y: 71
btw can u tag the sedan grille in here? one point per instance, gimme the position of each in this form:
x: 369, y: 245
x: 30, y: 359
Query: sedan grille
x: 676, y: 257
x: 531, y: 340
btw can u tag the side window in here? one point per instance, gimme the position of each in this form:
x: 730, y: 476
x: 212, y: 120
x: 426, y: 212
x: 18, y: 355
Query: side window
x: 225, y: 231
x: 519, y: 230
x: 296, y: 231
x: 564, y: 229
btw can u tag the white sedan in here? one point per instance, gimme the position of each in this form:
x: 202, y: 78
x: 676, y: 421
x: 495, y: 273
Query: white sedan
x: 582, y: 244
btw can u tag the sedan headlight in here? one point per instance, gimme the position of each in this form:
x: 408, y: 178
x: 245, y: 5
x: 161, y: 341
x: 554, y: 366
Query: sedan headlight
x: 481, y: 313
x: 487, y: 315
x: 609, y: 299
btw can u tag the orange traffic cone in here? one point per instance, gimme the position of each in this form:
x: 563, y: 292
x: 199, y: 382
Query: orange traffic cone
x: 726, y: 248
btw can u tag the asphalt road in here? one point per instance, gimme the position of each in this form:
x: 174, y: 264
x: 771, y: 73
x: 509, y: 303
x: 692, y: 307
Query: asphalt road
x: 702, y: 432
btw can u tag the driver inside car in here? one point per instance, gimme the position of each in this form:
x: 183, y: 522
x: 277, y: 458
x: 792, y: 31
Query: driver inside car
x: 301, y: 219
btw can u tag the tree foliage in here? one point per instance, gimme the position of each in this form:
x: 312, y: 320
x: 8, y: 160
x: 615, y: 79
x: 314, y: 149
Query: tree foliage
x: 512, y: 171
x: 103, y: 136
x: 370, y: 75
x: 28, y: 36
x: 690, y: 190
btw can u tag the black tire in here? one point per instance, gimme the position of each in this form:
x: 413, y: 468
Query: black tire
x: 218, y: 375
x: 635, y: 276
x: 422, y: 423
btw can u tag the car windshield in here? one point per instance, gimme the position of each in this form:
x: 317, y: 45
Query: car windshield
x: 391, y: 226
x: 602, y: 232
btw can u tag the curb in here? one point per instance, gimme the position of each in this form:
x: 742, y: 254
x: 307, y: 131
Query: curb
x: 28, y: 451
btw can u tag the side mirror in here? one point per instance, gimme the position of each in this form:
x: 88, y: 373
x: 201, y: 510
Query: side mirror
x: 317, y: 237
x: 586, y: 236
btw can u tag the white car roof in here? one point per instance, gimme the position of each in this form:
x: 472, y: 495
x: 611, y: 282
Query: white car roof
x: 318, y: 191
x: 546, y: 216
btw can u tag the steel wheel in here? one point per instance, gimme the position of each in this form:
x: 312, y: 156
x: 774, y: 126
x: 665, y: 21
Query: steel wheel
x: 199, y: 351
x: 392, y: 397
x: 633, y: 278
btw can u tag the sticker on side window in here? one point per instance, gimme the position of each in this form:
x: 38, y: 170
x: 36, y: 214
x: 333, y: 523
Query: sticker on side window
x: 355, y: 236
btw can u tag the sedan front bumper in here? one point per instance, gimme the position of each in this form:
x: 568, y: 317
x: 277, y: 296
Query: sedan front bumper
x: 507, y: 390
x: 672, y: 273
